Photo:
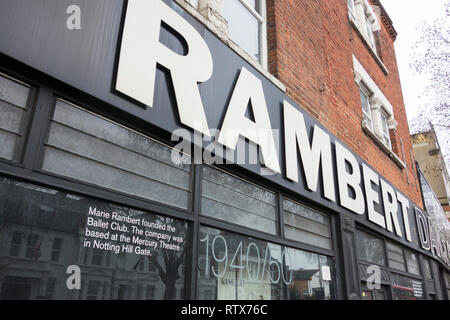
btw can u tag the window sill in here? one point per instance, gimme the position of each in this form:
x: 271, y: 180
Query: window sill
x: 223, y: 36
x: 368, y: 46
x: 382, y: 146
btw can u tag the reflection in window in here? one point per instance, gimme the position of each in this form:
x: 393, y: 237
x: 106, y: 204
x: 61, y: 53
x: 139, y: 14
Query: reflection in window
x: 310, y: 276
x: 427, y: 269
x: 56, y: 250
x: 412, y: 262
x: 93, y: 290
x: 242, y: 268
x: 150, y: 292
x: 406, y: 288
x: 369, y: 248
x: 97, y: 257
x: 33, y: 247
x: 92, y: 149
x: 16, y: 242
x: 50, y: 288
x: 42, y: 236
x: 235, y: 200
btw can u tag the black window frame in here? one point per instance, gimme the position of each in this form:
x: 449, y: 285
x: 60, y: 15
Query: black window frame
x: 43, y: 96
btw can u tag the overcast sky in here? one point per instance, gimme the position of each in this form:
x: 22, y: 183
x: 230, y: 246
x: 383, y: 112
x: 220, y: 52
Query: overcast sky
x: 406, y: 16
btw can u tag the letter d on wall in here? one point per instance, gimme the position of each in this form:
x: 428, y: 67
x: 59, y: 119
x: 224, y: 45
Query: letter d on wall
x: 141, y: 51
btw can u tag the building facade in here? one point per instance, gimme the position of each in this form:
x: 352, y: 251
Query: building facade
x: 431, y: 161
x: 238, y: 149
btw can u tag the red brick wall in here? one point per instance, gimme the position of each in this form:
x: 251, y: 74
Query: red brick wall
x: 310, y: 50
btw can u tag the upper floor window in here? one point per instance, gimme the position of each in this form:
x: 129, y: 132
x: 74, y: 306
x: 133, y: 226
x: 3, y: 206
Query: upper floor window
x: 365, y: 20
x: 14, y: 110
x: 247, y: 26
x: 385, y: 129
x: 378, y: 115
x: 351, y: 9
x: 365, y: 102
x: 369, y: 31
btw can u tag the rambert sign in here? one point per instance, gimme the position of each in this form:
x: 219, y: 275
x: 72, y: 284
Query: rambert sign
x: 360, y: 189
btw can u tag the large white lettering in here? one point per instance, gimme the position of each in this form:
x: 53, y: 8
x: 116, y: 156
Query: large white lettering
x: 349, y: 179
x: 249, y: 89
x: 141, y: 51
x: 405, y: 205
x: 320, y: 149
x: 372, y: 196
x: 390, y: 205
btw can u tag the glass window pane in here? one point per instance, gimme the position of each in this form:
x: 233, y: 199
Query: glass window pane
x: 243, y: 27
x: 91, y: 232
x: 235, y: 200
x: 369, y: 32
x: 412, y: 262
x: 427, y: 269
x: 13, y: 108
x: 87, y: 147
x: 365, y: 102
x: 309, y: 275
x: 405, y: 288
x: 395, y: 256
x: 306, y: 225
x: 369, y: 248
x: 235, y: 267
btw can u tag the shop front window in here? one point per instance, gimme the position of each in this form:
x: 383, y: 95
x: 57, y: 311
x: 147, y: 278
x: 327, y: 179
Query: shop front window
x: 306, y: 225
x: 93, y: 149
x: 89, y: 230
x: 395, y: 256
x: 14, y: 97
x: 234, y: 267
x: 229, y: 198
x: 406, y: 288
x: 370, y: 248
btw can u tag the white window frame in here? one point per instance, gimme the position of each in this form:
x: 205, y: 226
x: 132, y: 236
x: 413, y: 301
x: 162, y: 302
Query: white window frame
x: 262, y: 20
x: 385, y: 128
x: 369, y: 31
x: 379, y: 106
x: 363, y: 88
x: 351, y: 9
x: 365, y: 20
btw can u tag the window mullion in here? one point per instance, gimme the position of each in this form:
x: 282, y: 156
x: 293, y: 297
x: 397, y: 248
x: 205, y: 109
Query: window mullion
x: 252, y: 11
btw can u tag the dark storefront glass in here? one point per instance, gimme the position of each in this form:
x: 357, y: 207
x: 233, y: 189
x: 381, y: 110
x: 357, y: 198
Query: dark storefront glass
x: 229, y: 198
x: 14, y: 117
x: 236, y: 267
x: 406, y: 288
x: 90, y: 148
x: 370, y: 248
x: 306, y: 225
x: 395, y: 256
x: 45, y: 231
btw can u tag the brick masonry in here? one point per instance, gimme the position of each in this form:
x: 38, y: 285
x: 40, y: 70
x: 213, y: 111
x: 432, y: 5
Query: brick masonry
x: 310, y: 47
